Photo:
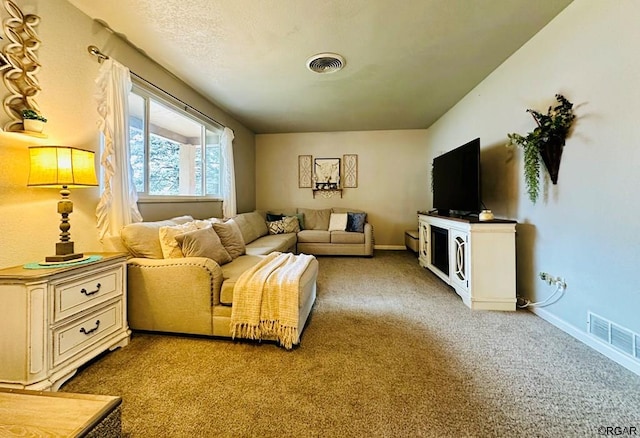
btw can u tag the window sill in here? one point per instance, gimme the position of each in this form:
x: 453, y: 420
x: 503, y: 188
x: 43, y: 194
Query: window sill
x: 175, y: 199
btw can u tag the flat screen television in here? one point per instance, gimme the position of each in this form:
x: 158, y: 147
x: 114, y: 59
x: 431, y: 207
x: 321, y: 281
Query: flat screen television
x: 456, y: 180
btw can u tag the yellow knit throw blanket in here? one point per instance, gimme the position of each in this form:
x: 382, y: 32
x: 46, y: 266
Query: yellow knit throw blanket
x: 265, y: 299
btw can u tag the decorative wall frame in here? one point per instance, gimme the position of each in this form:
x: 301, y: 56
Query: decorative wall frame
x: 326, y: 173
x: 350, y: 164
x: 19, y: 64
x: 305, y: 173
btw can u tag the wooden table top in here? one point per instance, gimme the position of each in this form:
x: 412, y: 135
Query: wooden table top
x: 40, y: 413
x: 19, y: 272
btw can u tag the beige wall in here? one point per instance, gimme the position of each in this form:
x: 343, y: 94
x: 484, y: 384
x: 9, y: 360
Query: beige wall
x: 392, y: 175
x: 28, y: 216
x: 583, y: 229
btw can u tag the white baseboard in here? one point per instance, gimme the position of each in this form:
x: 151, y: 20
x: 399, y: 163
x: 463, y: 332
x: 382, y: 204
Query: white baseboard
x: 391, y: 247
x: 607, y: 350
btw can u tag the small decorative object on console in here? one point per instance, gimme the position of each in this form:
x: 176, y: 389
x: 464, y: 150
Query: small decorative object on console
x: 486, y: 215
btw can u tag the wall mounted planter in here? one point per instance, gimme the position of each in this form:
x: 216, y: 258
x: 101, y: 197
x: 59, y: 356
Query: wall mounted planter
x: 545, y: 143
x: 551, y: 153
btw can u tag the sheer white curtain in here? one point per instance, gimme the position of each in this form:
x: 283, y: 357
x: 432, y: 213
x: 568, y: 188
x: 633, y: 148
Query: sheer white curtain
x: 118, y: 203
x: 229, y: 208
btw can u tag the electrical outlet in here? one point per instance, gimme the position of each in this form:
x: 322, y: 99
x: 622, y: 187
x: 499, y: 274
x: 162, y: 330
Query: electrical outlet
x: 551, y: 280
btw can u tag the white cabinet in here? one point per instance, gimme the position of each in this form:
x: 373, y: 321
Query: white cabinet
x: 476, y: 258
x: 424, y: 242
x: 458, y: 260
x: 54, y: 320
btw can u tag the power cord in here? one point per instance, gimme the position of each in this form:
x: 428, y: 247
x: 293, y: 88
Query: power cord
x: 561, y: 286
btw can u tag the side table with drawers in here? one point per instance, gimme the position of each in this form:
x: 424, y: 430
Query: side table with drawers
x: 54, y: 320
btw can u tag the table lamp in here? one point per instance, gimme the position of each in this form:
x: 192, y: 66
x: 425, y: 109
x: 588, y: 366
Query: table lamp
x: 62, y: 167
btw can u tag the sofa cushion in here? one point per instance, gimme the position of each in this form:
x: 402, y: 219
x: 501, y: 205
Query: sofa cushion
x: 167, y: 235
x: 230, y: 274
x: 252, y: 226
x: 355, y: 222
x: 231, y: 237
x: 142, y: 240
x: 283, y: 212
x: 338, y: 222
x: 346, y: 210
x: 316, y: 219
x: 204, y: 242
x: 268, y: 244
x: 347, y: 237
x: 314, y: 236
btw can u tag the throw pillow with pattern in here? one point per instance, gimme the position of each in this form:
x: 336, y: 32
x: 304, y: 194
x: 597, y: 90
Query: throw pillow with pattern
x: 288, y: 224
x: 276, y: 227
x: 291, y: 224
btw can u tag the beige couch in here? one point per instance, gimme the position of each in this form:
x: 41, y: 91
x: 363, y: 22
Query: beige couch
x: 171, y: 292
x: 315, y: 237
x: 194, y: 294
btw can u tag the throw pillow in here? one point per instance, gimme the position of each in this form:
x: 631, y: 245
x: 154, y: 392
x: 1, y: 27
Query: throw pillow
x: 338, y: 222
x: 288, y: 224
x: 141, y: 238
x: 274, y: 217
x: 167, y: 234
x: 231, y: 238
x: 300, y: 217
x: 291, y: 224
x: 355, y: 222
x: 203, y: 243
x: 276, y: 227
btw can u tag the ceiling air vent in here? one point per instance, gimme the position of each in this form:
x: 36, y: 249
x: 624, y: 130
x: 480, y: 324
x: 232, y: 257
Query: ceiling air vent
x: 325, y: 63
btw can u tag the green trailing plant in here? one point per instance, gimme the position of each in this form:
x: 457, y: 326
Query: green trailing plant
x: 553, y: 128
x: 30, y: 114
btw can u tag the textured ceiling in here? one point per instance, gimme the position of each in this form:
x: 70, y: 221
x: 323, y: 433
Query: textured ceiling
x: 407, y: 61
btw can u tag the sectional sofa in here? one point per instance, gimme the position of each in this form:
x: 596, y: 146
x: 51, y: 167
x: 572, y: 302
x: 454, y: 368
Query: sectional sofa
x: 179, y: 282
x: 330, y: 231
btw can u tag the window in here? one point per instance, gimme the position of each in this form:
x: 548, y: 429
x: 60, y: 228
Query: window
x: 172, y: 152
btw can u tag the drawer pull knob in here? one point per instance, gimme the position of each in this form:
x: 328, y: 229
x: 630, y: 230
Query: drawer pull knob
x: 88, y: 332
x: 84, y: 291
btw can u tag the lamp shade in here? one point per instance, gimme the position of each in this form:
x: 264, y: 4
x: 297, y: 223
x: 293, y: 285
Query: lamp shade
x: 58, y: 166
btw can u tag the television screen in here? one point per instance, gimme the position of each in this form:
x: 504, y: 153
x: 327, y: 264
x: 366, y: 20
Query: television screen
x: 456, y: 180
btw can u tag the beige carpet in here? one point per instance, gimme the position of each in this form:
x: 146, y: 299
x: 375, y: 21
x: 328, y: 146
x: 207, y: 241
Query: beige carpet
x: 390, y: 351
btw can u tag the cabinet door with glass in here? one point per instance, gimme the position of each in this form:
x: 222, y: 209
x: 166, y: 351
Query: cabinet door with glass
x: 459, y: 259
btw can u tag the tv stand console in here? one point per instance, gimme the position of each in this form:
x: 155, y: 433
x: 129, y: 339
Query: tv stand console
x: 476, y: 258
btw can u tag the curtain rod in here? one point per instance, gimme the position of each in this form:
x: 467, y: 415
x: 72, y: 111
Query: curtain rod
x: 102, y: 57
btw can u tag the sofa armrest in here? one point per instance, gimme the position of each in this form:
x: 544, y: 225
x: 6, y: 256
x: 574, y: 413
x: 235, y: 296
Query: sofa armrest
x: 173, y: 295
x: 368, y: 239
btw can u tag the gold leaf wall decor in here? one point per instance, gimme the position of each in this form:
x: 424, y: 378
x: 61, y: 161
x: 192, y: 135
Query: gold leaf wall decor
x: 19, y: 64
